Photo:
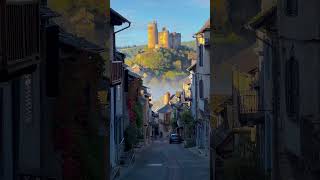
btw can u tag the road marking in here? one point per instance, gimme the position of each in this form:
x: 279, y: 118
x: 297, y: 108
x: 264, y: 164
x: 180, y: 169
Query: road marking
x: 154, y: 164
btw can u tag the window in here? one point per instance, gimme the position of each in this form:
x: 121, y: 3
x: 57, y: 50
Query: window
x: 292, y: 86
x: 201, y: 55
x: 201, y: 88
x: 87, y: 94
x: 28, y: 96
x: 118, y: 92
x: 291, y: 7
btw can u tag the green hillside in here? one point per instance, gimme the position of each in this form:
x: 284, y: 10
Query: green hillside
x: 131, y: 51
x: 164, y: 64
x: 190, y: 44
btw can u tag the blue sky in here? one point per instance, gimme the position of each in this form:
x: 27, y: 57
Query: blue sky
x: 184, y: 16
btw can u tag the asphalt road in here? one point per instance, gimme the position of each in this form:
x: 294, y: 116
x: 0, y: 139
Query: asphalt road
x: 164, y: 161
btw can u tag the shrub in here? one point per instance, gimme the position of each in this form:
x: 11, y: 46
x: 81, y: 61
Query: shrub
x: 130, y: 136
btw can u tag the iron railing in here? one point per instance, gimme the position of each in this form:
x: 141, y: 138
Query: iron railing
x: 116, y: 72
x: 248, y: 102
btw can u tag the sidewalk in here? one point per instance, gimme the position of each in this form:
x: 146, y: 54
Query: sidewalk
x: 199, y: 152
x: 124, y: 170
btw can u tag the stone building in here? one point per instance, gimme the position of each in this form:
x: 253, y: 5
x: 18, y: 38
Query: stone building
x: 288, y: 38
x: 202, y: 81
x: 152, y: 35
x: 163, y: 39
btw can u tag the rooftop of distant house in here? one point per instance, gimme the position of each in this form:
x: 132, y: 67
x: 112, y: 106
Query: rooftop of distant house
x: 205, y: 27
x: 165, y: 109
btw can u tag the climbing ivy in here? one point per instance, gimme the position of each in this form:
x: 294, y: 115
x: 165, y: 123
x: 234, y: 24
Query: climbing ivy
x: 139, y: 114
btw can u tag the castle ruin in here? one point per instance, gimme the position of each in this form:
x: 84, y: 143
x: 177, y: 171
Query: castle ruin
x: 163, y: 39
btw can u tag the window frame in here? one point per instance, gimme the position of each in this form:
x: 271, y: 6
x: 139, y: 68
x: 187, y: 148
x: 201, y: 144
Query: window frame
x: 292, y: 87
x: 201, y: 93
x: 200, y: 55
x: 291, y: 8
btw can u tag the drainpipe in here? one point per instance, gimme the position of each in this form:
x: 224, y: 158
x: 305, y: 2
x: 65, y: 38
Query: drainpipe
x: 275, y: 95
x: 114, y: 37
x: 129, y: 24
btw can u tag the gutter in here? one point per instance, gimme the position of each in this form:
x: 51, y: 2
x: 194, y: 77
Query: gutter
x: 129, y: 24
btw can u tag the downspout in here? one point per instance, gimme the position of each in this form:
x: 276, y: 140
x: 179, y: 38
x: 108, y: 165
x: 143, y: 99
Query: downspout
x: 114, y: 37
x: 275, y: 95
x: 129, y: 24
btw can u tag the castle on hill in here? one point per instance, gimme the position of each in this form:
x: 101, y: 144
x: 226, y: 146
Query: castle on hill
x: 163, y: 39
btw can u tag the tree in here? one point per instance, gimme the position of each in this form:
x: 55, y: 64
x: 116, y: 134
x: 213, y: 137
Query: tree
x: 178, y: 65
x: 139, y: 116
x: 188, y: 121
x: 130, y: 136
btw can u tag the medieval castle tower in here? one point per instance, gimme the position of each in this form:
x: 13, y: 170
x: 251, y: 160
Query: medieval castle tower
x: 152, y: 35
x: 163, y: 39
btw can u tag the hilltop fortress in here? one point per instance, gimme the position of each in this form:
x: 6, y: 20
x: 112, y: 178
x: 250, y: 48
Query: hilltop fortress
x: 163, y: 39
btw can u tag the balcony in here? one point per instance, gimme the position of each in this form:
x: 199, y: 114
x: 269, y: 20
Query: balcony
x: 19, y: 35
x: 249, y: 111
x: 116, y: 72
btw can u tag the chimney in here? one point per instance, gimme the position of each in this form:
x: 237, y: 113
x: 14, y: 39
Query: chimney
x: 166, y: 98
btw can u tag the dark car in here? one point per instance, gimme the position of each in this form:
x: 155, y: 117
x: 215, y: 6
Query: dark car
x: 175, y: 138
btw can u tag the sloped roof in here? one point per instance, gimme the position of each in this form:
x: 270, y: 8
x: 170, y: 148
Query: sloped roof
x: 116, y: 18
x: 134, y: 75
x: 78, y: 42
x: 165, y: 109
x: 187, y: 81
x: 245, y: 60
x: 120, y: 56
x: 47, y: 13
x: 205, y: 27
x: 192, y: 67
x: 262, y: 18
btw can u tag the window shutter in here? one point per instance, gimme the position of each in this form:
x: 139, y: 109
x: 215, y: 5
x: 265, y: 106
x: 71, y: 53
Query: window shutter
x: 292, y: 7
x: 201, y: 55
x: 201, y: 89
x: 52, y: 61
x: 292, y: 87
x: 28, y: 95
x: 126, y: 79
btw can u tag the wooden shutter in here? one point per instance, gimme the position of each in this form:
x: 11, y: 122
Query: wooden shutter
x: 292, y: 86
x: 28, y: 96
x: 52, y: 61
x: 22, y: 30
x: 126, y: 79
x: 292, y: 7
x: 201, y: 55
x: 201, y: 88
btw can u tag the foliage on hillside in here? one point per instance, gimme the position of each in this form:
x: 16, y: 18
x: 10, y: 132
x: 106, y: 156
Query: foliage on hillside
x: 190, y: 44
x: 131, y: 51
x: 169, y: 64
x: 162, y: 64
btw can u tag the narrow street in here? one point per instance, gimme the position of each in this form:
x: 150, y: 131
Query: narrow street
x: 164, y: 161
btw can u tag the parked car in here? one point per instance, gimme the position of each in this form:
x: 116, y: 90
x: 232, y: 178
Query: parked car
x: 175, y: 138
